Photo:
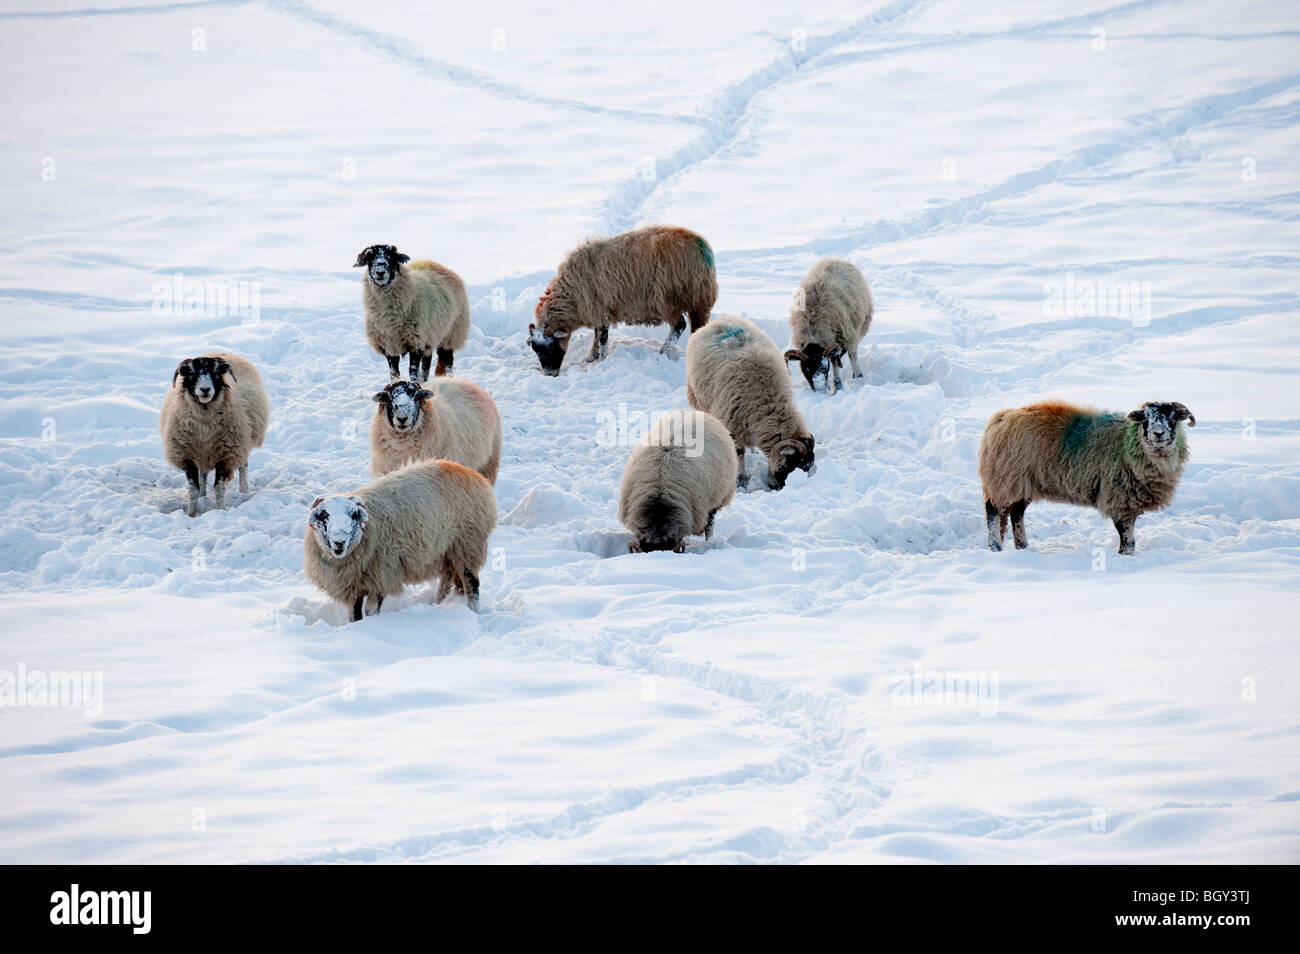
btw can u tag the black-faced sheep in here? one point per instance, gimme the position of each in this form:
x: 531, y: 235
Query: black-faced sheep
x: 1123, y: 465
x: 213, y: 416
x: 413, y: 309
x: 447, y: 418
x: 427, y: 521
x: 831, y: 314
x: 735, y: 372
x: 660, y: 274
x: 676, y: 479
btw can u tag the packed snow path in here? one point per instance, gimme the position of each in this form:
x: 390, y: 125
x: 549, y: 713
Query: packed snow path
x: 750, y: 699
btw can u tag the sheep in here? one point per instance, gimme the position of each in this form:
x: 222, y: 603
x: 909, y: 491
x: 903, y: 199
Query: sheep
x: 735, y: 372
x: 214, y: 414
x: 412, y: 309
x: 448, y: 418
x: 429, y: 520
x: 1123, y: 465
x: 831, y: 314
x: 648, y: 276
x: 676, y: 480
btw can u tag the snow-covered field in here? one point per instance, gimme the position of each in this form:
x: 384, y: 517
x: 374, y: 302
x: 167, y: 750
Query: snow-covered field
x: 744, y: 701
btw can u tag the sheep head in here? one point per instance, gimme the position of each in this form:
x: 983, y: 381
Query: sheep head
x: 795, y: 453
x: 402, y: 403
x: 382, y: 263
x: 337, y: 523
x: 549, y: 337
x: 1158, y: 423
x: 815, y: 362
x: 204, y: 378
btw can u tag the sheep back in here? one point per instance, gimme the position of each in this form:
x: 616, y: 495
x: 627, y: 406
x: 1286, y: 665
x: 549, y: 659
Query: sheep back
x: 837, y: 307
x: 459, y: 423
x: 425, y: 307
x: 736, y: 373
x: 207, y: 434
x: 1077, y: 455
x: 647, y: 276
x: 680, y: 472
x: 420, y: 517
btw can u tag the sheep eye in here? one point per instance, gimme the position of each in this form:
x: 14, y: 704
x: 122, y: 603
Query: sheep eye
x: 322, y: 516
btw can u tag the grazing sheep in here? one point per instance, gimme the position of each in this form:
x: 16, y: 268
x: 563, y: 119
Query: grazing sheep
x: 680, y: 475
x: 412, y: 309
x: 213, y: 416
x: 449, y: 418
x: 649, y: 276
x: 428, y: 521
x: 831, y: 314
x: 1123, y: 465
x: 735, y: 373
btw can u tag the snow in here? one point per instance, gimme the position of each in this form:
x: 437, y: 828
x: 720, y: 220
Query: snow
x: 762, y: 697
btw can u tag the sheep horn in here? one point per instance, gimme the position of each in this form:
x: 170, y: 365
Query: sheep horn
x: 794, y: 354
x: 1182, y: 413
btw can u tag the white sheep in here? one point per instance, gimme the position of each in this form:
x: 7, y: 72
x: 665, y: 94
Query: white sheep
x: 676, y: 479
x: 1124, y: 465
x: 427, y: 521
x: 829, y: 318
x: 735, y: 372
x: 213, y: 416
x: 447, y: 418
x: 413, y: 309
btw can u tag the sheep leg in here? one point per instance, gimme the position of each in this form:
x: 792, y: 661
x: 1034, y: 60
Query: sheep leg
x: 357, y: 608
x: 991, y: 517
x: 698, y: 320
x: 193, y: 478
x: 835, y: 374
x: 853, y: 362
x: 445, y: 577
x: 375, y: 602
x: 446, y: 358
x: 1018, y: 524
x: 1002, y: 527
x: 742, y: 480
x: 394, y: 366
x: 599, y: 343
x: 414, y: 376
x: 470, y: 588
x: 708, y: 527
x: 243, y: 479
x: 220, y: 477
x: 674, y: 332
x: 1127, y: 544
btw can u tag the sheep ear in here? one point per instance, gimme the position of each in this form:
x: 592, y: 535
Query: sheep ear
x: 1136, y: 415
x: 224, y: 368
x: 1181, y: 413
x: 794, y: 354
x: 422, y: 395
x: 403, y: 259
x: 809, y: 441
x: 361, y: 507
x: 364, y: 256
x: 182, y: 368
x: 317, y: 502
x: 380, y: 397
x: 531, y: 328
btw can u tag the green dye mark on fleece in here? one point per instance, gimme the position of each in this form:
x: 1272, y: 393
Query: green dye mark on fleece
x: 1079, y: 432
x: 734, y: 331
x: 705, y: 251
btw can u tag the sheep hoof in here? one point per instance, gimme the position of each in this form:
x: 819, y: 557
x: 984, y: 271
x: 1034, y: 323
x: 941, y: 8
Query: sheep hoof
x: 1022, y: 546
x: 192, y: 510
x: 995, y: 547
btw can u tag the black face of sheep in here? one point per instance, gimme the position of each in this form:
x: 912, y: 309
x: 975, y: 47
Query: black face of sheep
x: 795, y: 454
x: 816, y: 363
x: 402, y: 402
x: 381, y: 262
x: 1159, y: 423
x: 548, y: 348
x: 203, y: 378
x: 338, y: 522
